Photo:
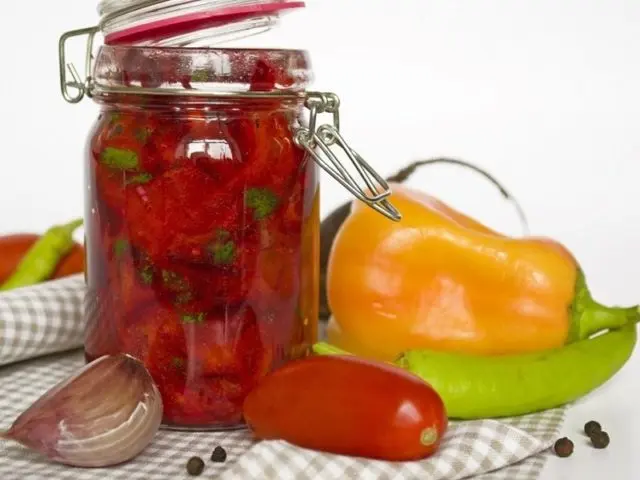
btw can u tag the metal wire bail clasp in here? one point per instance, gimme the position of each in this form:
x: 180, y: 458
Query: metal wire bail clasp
x: 375, y: 190
x: 82, y: 86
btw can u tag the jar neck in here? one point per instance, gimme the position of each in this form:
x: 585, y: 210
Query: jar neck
x: 201, y: 104
x: 259, y: 75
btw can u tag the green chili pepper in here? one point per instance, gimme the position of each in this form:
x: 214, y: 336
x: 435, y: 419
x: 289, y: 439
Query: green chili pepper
x: 40, y: 262
x: 477, y: 386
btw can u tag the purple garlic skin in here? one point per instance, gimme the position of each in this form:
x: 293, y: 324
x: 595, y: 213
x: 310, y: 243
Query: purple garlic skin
x: 104, y: 415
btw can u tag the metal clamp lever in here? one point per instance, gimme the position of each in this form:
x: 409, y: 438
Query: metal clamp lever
x: 83, y: 87
x: 375, y: 190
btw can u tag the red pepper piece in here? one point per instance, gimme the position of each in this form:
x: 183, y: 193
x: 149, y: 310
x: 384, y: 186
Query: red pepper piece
x: 213, y: 346
x: 248, y: 135
x: 243, y: 134
x: 117, y: 131
x: 224, y: 342
x: 111, y: 192
x: 264, y: 77
x: 117, y: 160
x: 204, y: 403
x: 146, y: 332
x: 218, y: 266
x: 213, y: 149
x: 159, y: 331
x: 119, y: 294
x: 138, y: 67
x: 229, y: 348
x: 166, y: 359
x: 204, y: 369
x: 228, y: 152
x: 107, y: 209
x: 348, y: 406
x: 134, y: 286
x: 179, y: 204
x: 185, y: 81
x: 275, y: 159
x: 209, y: 286
x: 164, y: 143
x: 213, y: 400
x: 225, y: 171
x: 196, y: 203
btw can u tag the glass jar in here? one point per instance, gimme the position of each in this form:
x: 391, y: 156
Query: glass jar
x: 203, y: 216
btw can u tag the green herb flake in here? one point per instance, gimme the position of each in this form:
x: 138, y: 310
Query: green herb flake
x: 177, y: 362
x: 200, y: 76
x: 262, y: 201
x: 120, y: 247
x: 222, y: 234
x: 142, y: 134
x: 146, y: 275
x: 114, y: 117
x: 119, y: 158
x: 183, y: 297
x: 174, y: 282
x: 223, y: 253
x: 139, y: 179
x: 192, y: 318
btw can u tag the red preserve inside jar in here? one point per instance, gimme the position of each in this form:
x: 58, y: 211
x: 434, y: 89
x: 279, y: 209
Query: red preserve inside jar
x: 202, y: 222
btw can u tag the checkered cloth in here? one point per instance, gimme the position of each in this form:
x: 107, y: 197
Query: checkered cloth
x: 43, y: 319
x: 37, y: 321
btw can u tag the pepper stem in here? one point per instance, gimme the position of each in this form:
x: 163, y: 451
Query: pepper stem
x: 323, y: 348
x: 71, y: 227
x: 589, y: 317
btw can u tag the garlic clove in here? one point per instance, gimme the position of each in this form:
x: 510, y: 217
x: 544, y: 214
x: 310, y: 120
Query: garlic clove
x: 104, y: 415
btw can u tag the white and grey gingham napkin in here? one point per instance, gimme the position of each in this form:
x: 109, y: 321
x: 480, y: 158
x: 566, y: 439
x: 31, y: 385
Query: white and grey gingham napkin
x: 43, y: 319
x: 40, y: 328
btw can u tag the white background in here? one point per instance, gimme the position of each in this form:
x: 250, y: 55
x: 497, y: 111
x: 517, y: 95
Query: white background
x: 544, y: 94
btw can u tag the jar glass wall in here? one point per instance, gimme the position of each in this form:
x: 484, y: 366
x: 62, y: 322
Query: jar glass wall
x: 202, y: 219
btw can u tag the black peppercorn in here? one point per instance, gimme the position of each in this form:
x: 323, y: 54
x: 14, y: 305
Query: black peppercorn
x: 219, y: 455
x: 195, y: 466
x: 600, y: 439
x: 563, y: 447
x: 592, y: 427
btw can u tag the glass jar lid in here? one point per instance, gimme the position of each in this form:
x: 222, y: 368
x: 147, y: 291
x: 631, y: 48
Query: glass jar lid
x: 179, y: 23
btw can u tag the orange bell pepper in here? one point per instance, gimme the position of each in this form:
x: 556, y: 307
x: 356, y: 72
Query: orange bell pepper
x: 441, y: 280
